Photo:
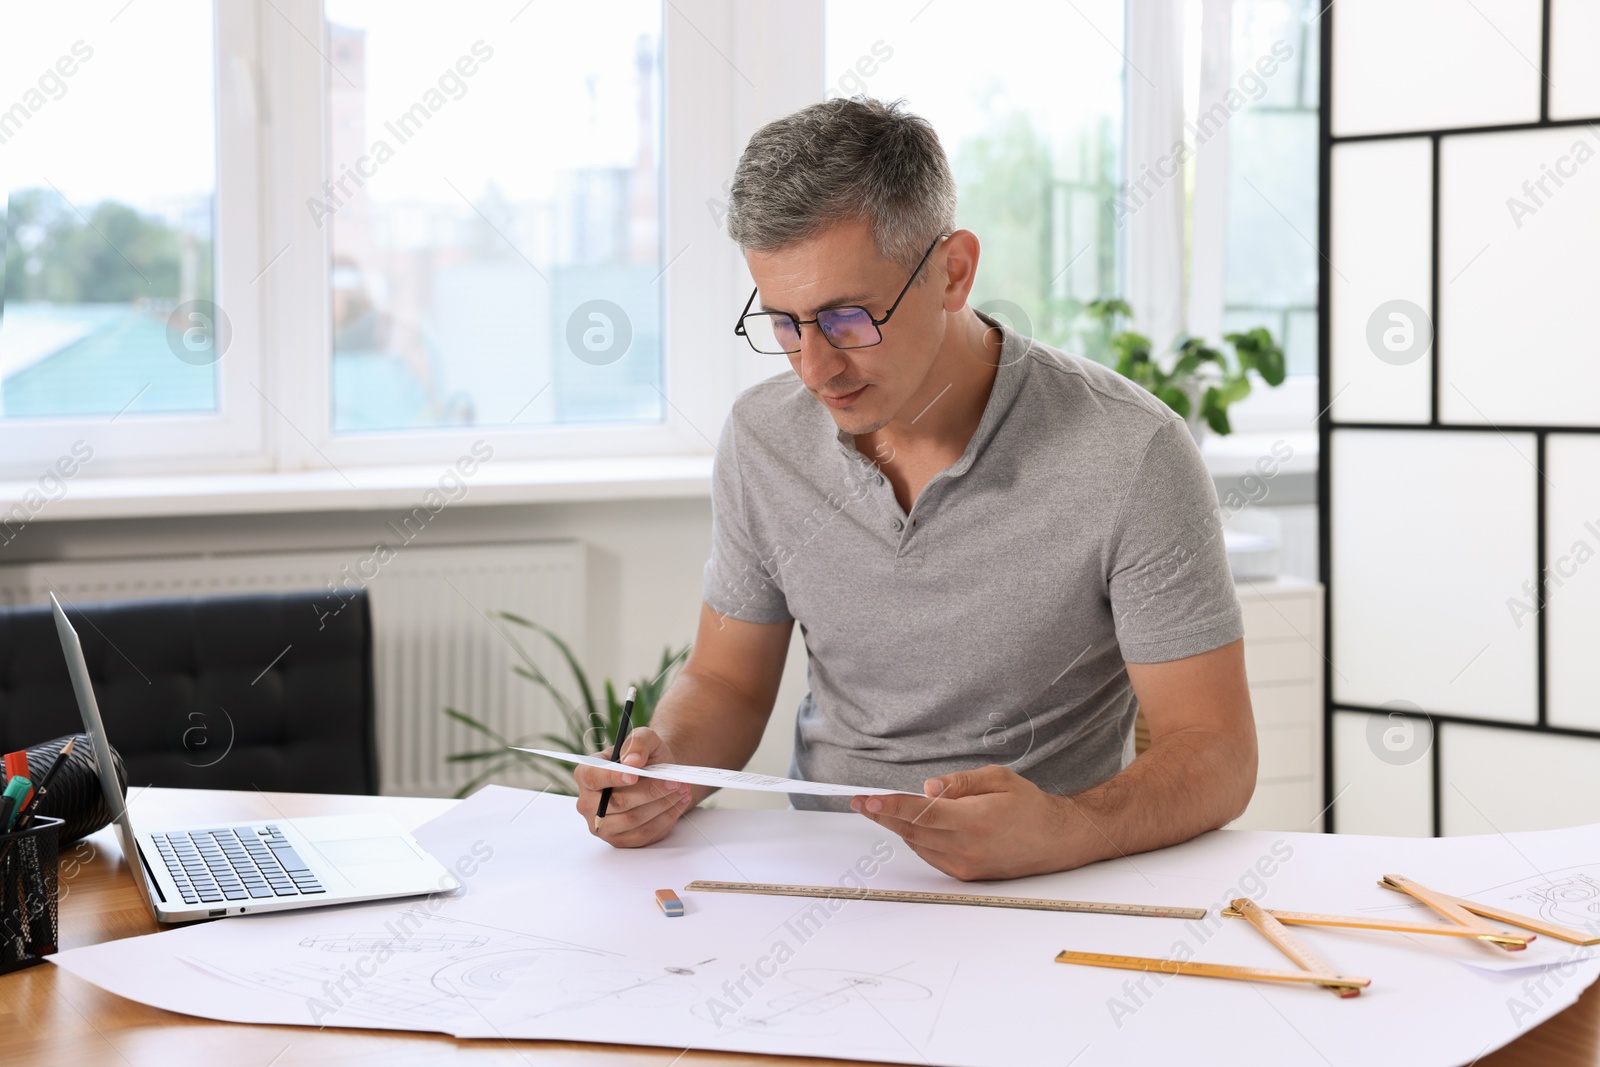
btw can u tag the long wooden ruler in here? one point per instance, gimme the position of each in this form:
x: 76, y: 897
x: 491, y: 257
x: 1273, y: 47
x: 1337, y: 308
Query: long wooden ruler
x: 1212, y: 970
x: 910, y: 896
x: 1313, y: 972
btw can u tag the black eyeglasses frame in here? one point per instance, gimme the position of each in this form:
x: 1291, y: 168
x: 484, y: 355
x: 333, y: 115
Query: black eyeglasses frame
x: 877, y: 324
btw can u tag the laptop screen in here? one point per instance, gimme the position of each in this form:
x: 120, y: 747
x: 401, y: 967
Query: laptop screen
x: 105, y: 765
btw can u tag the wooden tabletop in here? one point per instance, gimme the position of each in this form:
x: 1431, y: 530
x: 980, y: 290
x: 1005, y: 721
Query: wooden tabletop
x: 48, y: 1017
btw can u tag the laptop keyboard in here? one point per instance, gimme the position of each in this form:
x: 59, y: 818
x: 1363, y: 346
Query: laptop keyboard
x: 235, y: 863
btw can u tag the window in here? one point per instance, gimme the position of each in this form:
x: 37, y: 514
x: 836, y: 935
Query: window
x: 493, y: 202
x: 1270, y: 277
x: 1034, y: 138
x: 321, y: 235
x: 120, y: 253
x: 101, y: 260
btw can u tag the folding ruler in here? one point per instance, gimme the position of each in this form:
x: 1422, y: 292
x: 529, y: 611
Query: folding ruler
x: 1462, y: 919
x: 1312, y: 970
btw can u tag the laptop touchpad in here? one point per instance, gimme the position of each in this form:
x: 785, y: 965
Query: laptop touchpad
x: 365, y: 851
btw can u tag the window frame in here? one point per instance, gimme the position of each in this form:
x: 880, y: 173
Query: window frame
x: 697, y: 379
x: 274, y: 383
x: 231, y: 437
x: 1292, y: 406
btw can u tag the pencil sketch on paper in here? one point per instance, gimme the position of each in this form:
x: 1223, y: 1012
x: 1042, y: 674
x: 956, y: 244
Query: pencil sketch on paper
x: 433, y: 976
x: 812, y: 1000
x: 1570, y: 897
x: 636, y: 987
x: 378, y: 942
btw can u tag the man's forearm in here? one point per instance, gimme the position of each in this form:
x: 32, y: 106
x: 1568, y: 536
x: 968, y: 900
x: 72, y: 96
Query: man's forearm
x: 708, y: 723
x: 1186, y: 783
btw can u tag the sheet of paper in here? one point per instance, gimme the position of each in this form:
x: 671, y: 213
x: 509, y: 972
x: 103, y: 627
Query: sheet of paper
x: 725, y: 779
x: 557, y: 936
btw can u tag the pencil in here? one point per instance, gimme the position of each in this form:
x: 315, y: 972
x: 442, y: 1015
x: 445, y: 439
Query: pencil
x: 25, y: 816
x: 616, y: 751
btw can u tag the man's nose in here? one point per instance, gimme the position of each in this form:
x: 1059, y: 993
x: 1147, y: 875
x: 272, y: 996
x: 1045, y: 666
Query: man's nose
x: 817, y: 362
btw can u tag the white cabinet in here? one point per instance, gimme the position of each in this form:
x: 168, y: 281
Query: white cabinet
x: 1284, y: 661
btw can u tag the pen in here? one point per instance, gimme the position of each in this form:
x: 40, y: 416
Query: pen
x: 17, y: 790
x: 616, y: 751
x: 25, y: 816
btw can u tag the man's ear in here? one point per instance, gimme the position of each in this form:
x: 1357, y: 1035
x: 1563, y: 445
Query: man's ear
x: 960, y: 268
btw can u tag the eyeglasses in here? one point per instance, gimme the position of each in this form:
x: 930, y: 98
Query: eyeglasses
x: 775, y: 332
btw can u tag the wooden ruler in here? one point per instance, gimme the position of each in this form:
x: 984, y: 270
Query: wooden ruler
x: 1462, y: 918
x: 909, y: 896
x: 1502, y: 938
x: 1313, y: 971
x: 1437, y: 901
x: 1295, y: 949
x: 1211, y: 970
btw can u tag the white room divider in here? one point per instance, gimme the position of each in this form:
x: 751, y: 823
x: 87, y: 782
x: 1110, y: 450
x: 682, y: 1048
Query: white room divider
x: 1460, y: 427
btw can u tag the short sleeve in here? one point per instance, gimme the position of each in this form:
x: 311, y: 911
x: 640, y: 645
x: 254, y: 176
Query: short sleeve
x: 1172, y: 594
x: 738, y: 582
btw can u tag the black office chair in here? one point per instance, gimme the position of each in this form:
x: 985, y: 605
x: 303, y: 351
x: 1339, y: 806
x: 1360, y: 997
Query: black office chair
x: 227, y: 692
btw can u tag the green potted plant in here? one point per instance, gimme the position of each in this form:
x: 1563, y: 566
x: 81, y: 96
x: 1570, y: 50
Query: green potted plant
x: 588, y: 726
x: 1198, y: 382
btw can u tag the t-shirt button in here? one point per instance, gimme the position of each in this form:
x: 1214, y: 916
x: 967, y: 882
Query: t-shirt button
x: 897, y: 524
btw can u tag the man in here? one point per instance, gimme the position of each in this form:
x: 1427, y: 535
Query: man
x: 997, y: 552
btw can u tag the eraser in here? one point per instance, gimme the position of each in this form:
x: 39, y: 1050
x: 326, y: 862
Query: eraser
x: 669, y: 903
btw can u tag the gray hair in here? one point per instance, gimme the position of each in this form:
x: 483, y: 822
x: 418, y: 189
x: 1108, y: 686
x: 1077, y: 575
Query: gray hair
x: 844, y: 160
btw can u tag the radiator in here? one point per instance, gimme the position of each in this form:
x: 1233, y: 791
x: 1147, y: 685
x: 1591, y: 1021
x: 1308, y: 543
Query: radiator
x: 433, y: 646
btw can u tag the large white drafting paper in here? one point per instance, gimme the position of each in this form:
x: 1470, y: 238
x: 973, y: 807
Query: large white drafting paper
x: 724, y: 778
x: 557, y: 936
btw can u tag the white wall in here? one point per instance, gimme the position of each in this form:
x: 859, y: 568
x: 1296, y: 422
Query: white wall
x: 645, y: 561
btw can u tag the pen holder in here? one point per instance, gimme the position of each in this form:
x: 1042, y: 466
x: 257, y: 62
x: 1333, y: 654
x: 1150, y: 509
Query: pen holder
x: 74, y: 795
x: 29, y: 904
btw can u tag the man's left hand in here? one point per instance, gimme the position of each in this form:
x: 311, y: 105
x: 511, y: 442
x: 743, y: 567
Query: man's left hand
x: 988, y: 823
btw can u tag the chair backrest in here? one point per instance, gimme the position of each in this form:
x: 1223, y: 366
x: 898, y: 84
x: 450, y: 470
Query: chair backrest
x: 225, y: 692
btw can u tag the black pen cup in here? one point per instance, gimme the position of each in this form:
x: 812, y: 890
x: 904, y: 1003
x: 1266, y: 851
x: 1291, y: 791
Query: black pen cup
x: 30, y: 906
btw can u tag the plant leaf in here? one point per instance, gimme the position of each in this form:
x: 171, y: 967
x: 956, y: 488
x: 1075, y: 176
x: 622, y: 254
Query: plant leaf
x: 467, y: 757
x: 580, y: 723
x: 565, y: 744
x: 1215, y: 411
x: 566, y: 654
x: 467, y: 720
x: 1258, y: 351
x: 563, y: 705
x: 1107, y: 307
x: 1175, y: 398
x: 533, y: 672
x: 479, y: 779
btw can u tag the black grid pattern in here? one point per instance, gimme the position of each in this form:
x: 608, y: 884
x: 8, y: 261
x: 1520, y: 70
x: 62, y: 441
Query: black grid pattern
x: 1326, y: 426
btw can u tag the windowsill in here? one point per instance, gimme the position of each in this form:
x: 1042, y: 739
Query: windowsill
x: 499, y: 483
x: 373, y: 488
x: 1260, y: 453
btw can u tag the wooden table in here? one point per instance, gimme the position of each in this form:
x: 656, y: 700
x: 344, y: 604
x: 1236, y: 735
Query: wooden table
x: 48, y: 1017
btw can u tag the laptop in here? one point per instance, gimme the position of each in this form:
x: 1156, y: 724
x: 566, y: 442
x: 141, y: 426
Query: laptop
x: 209, y: 871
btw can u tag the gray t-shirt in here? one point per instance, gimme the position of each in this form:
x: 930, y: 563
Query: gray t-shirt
x: 991, y: 623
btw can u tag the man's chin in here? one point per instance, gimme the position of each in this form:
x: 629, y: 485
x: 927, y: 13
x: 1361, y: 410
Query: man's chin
x: 858, y: 422
x: 865, y: 414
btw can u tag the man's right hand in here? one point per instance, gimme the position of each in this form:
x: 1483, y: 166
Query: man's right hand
x: 642, y: 810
